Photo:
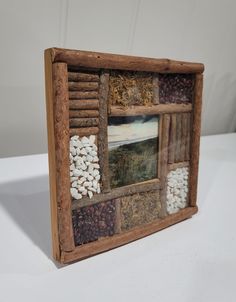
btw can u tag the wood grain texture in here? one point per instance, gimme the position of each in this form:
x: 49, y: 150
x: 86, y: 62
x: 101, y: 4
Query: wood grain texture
x: 178, y: 137
x: 84, y: 131
x: 80, y: 95
x: 184, y: 136
x: 164, y: 160
x: 105, y: 244
x: 172, y: 139
x: 83, y: 113
x: 83, y: 122
x: 146, y: 186
x: 83, y: 77
x: 102, y: 135
x: 83, y: 104
x: 195, y: 140
x: 187, y: 147
x: 118, y: 217
x: 113, y: 61
x: 83, y: 86
x: 61, y: 128
x: 175, y: 166
x: 51, y: 156
x: 149, y: 110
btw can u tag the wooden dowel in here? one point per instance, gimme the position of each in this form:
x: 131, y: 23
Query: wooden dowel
x: 84, y: 131
x: 175, y: 166
x: 83, y: 104
x: 83, y: 77
x: 111, y: 61
x: 83, y: 122
x: 104, y: 244
x: 83, y: 113
x: 149, y: 110
x: 178, y: 137
x: 164, y: 161
x: 187, y: 148
x: 102, y: 136
x: 183, y: 136
x: 172, y: 139
x: 155, y: 84
x: 195, y: 140
x: 83, y: 86
x: 61, y: 128
x: 83, y: 95
x: 146, y: 186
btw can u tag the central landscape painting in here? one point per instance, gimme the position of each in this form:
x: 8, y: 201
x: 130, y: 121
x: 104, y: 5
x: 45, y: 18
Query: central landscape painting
x: 133, y: 149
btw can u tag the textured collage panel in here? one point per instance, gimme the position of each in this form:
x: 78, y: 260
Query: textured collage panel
x: 176, y: 88
x: 93, y: 222
x: 139, y: 209
x: 177, y: 190
x: 128, y: 88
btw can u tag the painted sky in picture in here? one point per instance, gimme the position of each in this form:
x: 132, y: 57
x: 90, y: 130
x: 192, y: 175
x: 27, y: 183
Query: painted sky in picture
x: 131, y: 129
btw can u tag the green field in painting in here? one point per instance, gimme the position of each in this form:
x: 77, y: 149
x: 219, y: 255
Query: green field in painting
x: 132, y: 163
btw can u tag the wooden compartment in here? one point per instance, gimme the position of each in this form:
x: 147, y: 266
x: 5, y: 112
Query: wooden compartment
x: 123, y: 142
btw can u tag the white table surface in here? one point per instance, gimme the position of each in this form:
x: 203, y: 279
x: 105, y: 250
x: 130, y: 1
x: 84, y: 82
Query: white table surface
x: 194, y: 260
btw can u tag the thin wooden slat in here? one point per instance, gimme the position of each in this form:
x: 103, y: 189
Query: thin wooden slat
x: 83, y: 86
x: 187, y: 148
x: 118, y: 217
x: 83, y: 77
x: 83, y: 104
x: 78, y: 95
x: 83, y: 122
x: 164, y: 160
x: 175, y: 166
x: 172, y: 139
x: 61, y: 133
x: 84, y: 131
x: 109, y: 243
x: 111, y: 61
x: 150, y: 110
x: 155, y: 84
x: 178, y: 137
x: 146, y: 186
x: 195, y: 140
x: 83, y: 113
x: 183, y: 136
x: 102, y: 135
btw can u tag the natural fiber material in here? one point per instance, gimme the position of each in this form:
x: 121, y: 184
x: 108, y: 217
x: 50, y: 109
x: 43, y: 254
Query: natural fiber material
x: 139, y: 209
x: 130, y: 88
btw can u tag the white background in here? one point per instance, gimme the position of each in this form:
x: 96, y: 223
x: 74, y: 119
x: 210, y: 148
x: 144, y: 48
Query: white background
x: 191, y: 30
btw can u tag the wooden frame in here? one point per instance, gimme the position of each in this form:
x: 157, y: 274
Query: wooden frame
x: 77, y: 104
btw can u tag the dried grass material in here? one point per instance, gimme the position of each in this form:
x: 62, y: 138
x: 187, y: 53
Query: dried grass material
x: 140, y: 209
x: 128, y: 88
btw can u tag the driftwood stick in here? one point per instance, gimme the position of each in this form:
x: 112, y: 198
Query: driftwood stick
x: 111, y: 61
x: 83, y: 122
x: 175, y: 166
x: 146, y: 186
x: 104, y: 244
x: 187, y: 148
x: 102, y: 136
x: 84, y: 131
x: 83, y: 86
x: 83, y: 95
x: 83, y: 113
x: 195, y: 140
x: 178, y: 137
x: 183, y: 136
x: 155, y: 84
x: 61, y: 126
x: 82, y: 76
x: 149, y: 110
x: 164, y: 161
x: 172, y: 139
x: 83, y: 104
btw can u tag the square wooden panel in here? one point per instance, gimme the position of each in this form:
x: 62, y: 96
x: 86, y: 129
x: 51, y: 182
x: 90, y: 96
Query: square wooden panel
x: 123, y: 144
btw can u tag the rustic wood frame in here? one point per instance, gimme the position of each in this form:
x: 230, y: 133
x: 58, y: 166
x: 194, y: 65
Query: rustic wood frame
x: 56, y: 75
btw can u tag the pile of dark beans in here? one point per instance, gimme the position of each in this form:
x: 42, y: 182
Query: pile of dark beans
x: 93, y: 222
x: 176, y: 88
